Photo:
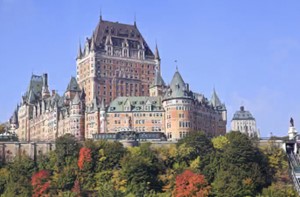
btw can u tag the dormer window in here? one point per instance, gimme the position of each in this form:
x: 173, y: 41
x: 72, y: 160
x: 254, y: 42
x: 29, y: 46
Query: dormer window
x: 109, y: 51
x: 125, y: 53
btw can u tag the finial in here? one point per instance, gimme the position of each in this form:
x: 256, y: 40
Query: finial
x: 79, y: 55
x: 156, y: 54
x: 176, y: 65
x: 291, y: 122
x: 100, y: 14
x: 134, y: 19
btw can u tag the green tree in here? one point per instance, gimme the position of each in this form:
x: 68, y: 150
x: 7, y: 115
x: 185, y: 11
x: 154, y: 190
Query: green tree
x: 47, y: 161
x: 4, y: 178
x: 195, y: 145
x: 66, y: 146
x: 21, y: 170
x: 2, y: 128
x: 219, y: 142
x: 140, y: 168
x: 109, y: 155
x: 200, y: 144
x: 243, y: 168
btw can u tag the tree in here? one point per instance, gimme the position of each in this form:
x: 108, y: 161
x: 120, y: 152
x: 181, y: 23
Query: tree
x: 201, y: 145
x: 219, y: 142
x: 40, y: 183
x: 109, y: 155
x: 4, y: 178
x: 64, y: 180
x: 21, y: 170
x: 140, y: 169
x: 243, y: 168
x: 189, y: 184
x: 2, y: 128
x: 195, y: 145
x: 66, y: 146
x: 84, y: 159
x: 47, y: 161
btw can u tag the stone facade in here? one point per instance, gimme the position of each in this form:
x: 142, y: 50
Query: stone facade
x: 43, y: 117
x: 9, y: 150
x: 118, y: 87
x: 115, y: 61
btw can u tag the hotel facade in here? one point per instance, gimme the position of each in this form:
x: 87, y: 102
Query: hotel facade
x: 118, y: 87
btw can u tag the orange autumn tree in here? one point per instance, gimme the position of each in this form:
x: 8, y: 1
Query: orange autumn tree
x: 40, y: 183
x: 190, y: 184
x: 85, y: 157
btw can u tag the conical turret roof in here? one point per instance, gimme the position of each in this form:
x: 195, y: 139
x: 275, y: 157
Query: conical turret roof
x: 158, y: 80
x: 76, y: 99
x: 215, y: 101
x: 73, y: 85
x: 178, y: 88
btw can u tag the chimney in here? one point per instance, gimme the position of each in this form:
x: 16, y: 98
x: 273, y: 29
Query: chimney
x: 187, y: 87
x: 53, y: 92
x: 242, y: 108
x: 45, y: 80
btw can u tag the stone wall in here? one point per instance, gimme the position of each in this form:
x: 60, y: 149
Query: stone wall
x: 8, y: 150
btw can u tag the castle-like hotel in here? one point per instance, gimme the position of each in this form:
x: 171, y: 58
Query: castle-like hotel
x: 118, y: 86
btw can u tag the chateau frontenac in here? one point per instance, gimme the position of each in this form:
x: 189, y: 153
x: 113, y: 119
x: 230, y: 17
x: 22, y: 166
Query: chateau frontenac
x: 118, y: 86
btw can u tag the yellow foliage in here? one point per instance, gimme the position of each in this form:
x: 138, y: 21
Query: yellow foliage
x: 118, y: 182
x: 219, y: 142
x: 195, y: 164
x: 247, y: 181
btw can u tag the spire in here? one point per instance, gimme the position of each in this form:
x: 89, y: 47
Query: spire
x: 45, y: 90
x: 93, y: 43
x: 156, y: 54
x: 158, y: 80
x: 14, y: 118
x: 215, y: 101
x: 100, y: 14
x: 134, y: 20
x: 79, y: 55
x: 176, y: 65
x: 73, y: 85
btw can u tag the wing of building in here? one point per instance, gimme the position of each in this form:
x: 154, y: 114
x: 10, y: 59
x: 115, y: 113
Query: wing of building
x: 244, y: 122
x: 118, y: 86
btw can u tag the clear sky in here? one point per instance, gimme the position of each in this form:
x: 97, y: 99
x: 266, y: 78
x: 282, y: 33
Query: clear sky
x: 248, y: 50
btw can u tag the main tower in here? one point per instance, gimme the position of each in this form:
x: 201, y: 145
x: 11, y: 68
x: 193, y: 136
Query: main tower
x: 116, y: 61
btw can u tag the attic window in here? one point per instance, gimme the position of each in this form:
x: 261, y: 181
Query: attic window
x: 142, y: 102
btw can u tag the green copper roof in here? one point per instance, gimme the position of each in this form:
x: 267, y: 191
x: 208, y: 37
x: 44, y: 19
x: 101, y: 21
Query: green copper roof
x: 215, y: 101
x: 142, y: 103
x: 73, y: 85
x: 242, y: 115
x: 76, y: 99
x: 158, y: 80
x: 178, y: 88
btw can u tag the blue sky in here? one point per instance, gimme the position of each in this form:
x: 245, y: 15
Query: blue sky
x: 248, y: 50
